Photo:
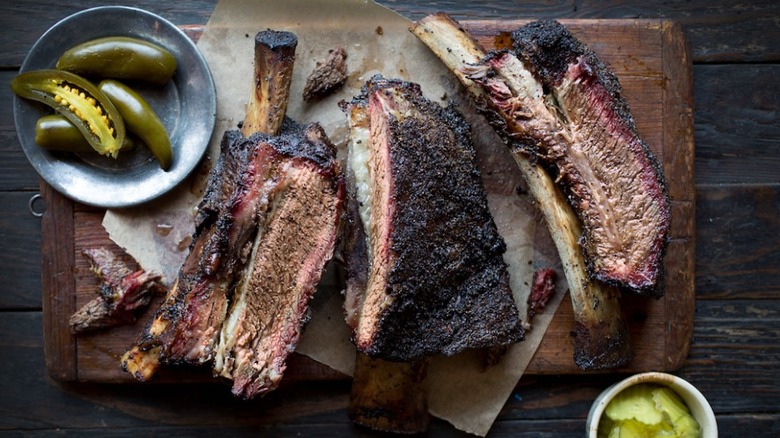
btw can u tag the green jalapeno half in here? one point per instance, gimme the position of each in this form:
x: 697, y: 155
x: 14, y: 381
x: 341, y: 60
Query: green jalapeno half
x: 120, y: 58
x: 80, y: 102
x: 140, y: 119
x: 56, y: 133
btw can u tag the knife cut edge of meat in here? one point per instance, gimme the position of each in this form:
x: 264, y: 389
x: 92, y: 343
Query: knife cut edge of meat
x: 385, y: 396
x: 274, y: 56
x: 607, y: 171
x: 600, y: 333
x: 297, y: 236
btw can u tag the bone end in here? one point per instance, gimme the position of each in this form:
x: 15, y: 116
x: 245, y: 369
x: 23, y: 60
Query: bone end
x: 274, y: 59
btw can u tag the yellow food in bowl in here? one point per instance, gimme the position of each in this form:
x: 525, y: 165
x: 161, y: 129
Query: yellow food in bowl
x: 648, y: 410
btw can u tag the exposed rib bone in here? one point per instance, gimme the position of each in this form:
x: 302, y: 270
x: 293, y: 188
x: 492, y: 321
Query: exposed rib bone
x: 600, y: 333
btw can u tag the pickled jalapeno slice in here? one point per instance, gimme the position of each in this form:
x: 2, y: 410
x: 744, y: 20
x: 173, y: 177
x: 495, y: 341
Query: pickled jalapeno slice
x: 120, y: 58
x: 140, y: 119
x: 56, y: 133
x: 80, y: 102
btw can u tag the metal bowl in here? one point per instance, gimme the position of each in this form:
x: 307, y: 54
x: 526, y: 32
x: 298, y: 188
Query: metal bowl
x: 186, y: 105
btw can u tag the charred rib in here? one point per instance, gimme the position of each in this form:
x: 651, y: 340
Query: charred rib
x: 186, y: 326
x: 204, y: 281
x: 274, y: 60
x: 612, y: 179
x: 201, y: 307
x: 436, y: 279
x: 296, y: 238
x: 386, y: 396
x: 602, y: 336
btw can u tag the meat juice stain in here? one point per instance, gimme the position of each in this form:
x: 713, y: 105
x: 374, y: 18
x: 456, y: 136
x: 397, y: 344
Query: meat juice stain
x: 184, y: 243
x: 503, y: 41
x: 163, y: 229
x: 372, y: 59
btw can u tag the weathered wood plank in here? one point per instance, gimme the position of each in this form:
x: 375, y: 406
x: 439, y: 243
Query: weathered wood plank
x: 16, y: 173
x: 737, y: 124
x: 737, y: 337
x: 735, y: 355
x: 22, y: 23
x: 20, y: 267
x: 720, y: 31
x: 762, y: 425
x: 57, y: 249
x: 733, y: 360
x: 738, y: 242
x: 30, y: 400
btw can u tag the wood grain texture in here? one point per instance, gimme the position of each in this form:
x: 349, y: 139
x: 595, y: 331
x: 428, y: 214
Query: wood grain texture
x: 539, y: 405
x: 21, y: 24
x: 20, y: 274
x: 678, y: 143
x: 57, y: 252
x: 737, y: 131
x: 720, y: 31
x: 738, y: 242
x: 734, y: 342
x: 16, y: 173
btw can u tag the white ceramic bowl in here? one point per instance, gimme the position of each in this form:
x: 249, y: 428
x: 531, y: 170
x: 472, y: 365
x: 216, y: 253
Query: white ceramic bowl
x: 700, y: 408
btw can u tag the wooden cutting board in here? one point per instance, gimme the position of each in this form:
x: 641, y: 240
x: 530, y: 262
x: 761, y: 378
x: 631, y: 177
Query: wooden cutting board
x: 652, y: 61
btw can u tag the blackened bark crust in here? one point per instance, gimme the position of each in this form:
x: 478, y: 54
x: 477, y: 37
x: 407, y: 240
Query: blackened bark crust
x: 448, y: 280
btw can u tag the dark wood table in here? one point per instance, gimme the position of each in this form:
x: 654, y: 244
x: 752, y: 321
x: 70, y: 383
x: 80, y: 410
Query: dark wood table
x: 734, y: 357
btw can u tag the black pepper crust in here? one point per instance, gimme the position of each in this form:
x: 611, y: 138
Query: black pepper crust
x: 449, y: 282
x: 309, y: 142
x: 276, y: 40
x: 547, y: 48
x: 234, y: 155
x: 214, y: 260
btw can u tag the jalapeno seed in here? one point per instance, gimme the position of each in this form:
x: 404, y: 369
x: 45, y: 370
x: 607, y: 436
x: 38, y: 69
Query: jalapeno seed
x: 80, y: 102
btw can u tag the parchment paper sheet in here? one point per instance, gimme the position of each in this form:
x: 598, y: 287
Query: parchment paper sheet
x: 377, y: 40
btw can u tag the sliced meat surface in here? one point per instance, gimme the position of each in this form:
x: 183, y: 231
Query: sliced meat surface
x: 201, y: 306
x: 203, y: 273
x: 611, y: 177
x: 296, y: 237
x: 516, y: 105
